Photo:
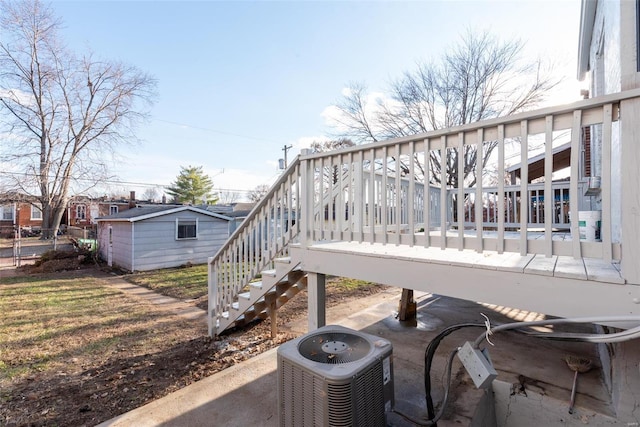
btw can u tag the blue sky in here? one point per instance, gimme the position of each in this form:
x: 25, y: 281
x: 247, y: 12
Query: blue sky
x: 239, y: 80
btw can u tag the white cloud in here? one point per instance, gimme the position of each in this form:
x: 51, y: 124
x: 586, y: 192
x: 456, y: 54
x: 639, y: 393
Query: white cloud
x: 306, y: 141
x: 331, y: 116
x: 17, y: 95
x: 374, y: 103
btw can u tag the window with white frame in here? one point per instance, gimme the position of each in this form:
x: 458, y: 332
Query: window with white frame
x: 113, y: 209
x: 186, y: 228
x: 36, y: 212
x: 6, y: 213
x: 81, y: 212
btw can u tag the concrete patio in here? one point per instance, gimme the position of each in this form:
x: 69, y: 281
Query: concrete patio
x: 245, y: 394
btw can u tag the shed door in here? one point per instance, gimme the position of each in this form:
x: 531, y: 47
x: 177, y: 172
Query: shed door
x: 110, y: 248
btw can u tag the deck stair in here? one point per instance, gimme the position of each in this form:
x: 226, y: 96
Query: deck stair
x: 276, y: 288
x: 252, y: 274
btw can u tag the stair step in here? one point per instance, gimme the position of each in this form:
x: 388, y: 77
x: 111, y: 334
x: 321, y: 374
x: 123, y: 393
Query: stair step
x: 261, y: 296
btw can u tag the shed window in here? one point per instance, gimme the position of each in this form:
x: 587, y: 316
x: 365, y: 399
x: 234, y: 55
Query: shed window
x: 186, y: 228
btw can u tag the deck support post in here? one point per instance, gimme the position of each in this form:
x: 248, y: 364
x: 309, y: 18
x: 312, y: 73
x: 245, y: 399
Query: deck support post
x: 316, y: 293
x: 407, y: 310
x: 273, y: 316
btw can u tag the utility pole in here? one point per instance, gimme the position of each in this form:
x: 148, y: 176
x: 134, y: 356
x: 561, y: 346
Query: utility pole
x: 286, y: 148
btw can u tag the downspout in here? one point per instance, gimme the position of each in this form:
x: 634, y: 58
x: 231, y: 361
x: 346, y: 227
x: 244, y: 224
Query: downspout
x: 587, y: 19
x: 133, y: 247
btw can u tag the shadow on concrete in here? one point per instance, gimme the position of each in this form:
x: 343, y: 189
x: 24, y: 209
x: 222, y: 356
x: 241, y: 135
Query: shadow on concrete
x: 246, y: 393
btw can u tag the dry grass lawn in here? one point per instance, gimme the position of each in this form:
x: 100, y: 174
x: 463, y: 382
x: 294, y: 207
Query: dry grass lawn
x: 74, y: 351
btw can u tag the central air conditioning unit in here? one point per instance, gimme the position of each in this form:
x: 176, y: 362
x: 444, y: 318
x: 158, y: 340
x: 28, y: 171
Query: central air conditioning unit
x: 335, y: 376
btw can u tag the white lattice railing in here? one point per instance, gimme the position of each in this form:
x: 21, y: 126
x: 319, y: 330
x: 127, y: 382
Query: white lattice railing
x: 536, y: 210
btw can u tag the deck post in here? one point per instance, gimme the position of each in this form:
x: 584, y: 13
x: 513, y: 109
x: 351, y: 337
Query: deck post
x: 306, y: 199
x: 407, y: 310
x: 213, y: 298
x: 630, y: 176
x: 316, y: 294
x: 273, y: 317
x: 630, y: 149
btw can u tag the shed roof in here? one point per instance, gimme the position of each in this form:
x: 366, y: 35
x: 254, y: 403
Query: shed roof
x: 145, y: 212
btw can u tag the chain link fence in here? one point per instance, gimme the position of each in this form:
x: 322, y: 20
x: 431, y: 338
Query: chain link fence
x: 23, y: 245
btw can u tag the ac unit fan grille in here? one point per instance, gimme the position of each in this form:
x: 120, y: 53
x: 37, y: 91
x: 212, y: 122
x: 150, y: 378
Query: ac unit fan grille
x: 334, y: 348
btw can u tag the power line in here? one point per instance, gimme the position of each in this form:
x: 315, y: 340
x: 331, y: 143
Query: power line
x: 106, y: 181
x: 222, y: 132
x: 118, y: 182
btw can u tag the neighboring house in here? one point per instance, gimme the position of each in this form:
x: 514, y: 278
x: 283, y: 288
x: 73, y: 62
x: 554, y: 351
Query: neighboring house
x: 237, y: 211
x: 161, y: 236
x: 83, y: 211
x: 19, y: 211
x: 380, y: 228
x: 608, y: 57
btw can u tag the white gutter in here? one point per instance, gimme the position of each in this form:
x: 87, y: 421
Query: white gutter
x: 587, y: 19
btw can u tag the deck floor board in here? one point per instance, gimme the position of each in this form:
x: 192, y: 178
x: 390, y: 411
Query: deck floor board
x: 558, y: 266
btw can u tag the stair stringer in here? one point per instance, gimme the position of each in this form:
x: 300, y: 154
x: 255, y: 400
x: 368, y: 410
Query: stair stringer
x: 276, y: 287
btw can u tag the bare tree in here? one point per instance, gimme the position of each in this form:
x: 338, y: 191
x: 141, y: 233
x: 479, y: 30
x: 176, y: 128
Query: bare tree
x: 258, y: 193
x: 63, y: 113
x: 227, y: 196
x: 331, y: 174
x: 481, y: 77
x: 151, y: 194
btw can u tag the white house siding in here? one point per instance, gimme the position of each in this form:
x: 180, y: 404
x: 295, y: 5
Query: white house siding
x: 604, y: 63
x: 121, y: 240
x: 156, y: 246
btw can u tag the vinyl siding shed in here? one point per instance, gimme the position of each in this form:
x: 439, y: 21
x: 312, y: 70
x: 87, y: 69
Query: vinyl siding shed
x: 152, y: 237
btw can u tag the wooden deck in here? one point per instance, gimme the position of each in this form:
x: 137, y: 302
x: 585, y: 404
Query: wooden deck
x: 589, y: 269
x: 560, y: 286
x: 367, y: 221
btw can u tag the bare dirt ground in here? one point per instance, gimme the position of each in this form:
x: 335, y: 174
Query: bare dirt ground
x: 123, y: 361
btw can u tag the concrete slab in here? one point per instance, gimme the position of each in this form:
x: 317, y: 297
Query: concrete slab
x: 245, y: 395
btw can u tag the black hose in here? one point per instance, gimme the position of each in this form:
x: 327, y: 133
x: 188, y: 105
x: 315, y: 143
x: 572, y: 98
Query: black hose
x: 428, y: 360
x: 432, y: 421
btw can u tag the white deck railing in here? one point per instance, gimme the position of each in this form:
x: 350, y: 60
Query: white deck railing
x: 375, y: 193
x: 263, y: 236
x: 379, y: 196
